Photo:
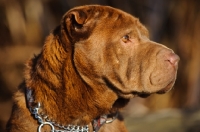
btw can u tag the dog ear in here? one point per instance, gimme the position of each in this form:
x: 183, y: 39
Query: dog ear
x: 75, y: 22
x: 77, y: 18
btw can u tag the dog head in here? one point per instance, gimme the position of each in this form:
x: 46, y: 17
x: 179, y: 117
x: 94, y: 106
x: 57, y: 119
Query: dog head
x: 112, y: 48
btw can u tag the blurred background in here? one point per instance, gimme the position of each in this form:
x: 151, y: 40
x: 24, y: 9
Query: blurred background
x: 24, y: 24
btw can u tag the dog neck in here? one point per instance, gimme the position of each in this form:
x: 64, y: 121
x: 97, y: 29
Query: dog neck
x: 56, y: 85
x: 45, y: 120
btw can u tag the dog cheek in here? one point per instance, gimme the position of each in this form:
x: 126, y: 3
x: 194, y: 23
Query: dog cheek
x: 88, y: 66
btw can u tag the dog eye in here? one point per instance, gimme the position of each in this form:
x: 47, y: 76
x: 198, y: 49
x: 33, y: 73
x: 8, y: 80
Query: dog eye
x: 125, y: 38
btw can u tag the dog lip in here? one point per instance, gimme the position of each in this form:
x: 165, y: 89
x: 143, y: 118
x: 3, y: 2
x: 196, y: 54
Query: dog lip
x: 145, y: 94
x: 166, y: 89
x: 142, y: 94
x: 134, y: 94
x: 163, y: 91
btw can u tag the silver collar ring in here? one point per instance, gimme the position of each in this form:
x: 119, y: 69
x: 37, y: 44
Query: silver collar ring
x: 45, y: 123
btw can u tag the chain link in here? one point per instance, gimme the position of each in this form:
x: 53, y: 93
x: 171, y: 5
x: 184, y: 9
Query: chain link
x: 46, y: 121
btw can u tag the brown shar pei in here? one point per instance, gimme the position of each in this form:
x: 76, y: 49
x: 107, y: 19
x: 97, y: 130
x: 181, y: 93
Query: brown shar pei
x: 91, y: 65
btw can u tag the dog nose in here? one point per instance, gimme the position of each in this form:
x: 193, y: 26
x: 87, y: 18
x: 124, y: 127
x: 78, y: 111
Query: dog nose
x: 173, y: 59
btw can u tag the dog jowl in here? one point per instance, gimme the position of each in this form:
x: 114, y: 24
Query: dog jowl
x: 90, y: 66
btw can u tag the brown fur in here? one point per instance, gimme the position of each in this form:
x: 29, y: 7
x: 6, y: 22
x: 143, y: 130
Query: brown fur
x: 87, y: 69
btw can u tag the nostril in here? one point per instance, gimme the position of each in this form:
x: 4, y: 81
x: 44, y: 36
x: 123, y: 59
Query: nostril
x: 173, y: 58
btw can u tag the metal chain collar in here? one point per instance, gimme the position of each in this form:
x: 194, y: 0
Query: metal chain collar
x: 44, y: 120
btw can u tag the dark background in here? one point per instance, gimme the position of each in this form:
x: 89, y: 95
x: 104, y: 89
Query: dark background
x: 24, y: 24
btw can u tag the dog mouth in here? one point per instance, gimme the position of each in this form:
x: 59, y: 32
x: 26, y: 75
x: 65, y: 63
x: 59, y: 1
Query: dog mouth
x: 161, y: 91
x: 146, y: 94
x: 134, y: 94
x: 128, y: 94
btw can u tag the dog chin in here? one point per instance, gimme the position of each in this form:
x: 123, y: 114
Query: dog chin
x: 127, y: 96
x: 132, y: 95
